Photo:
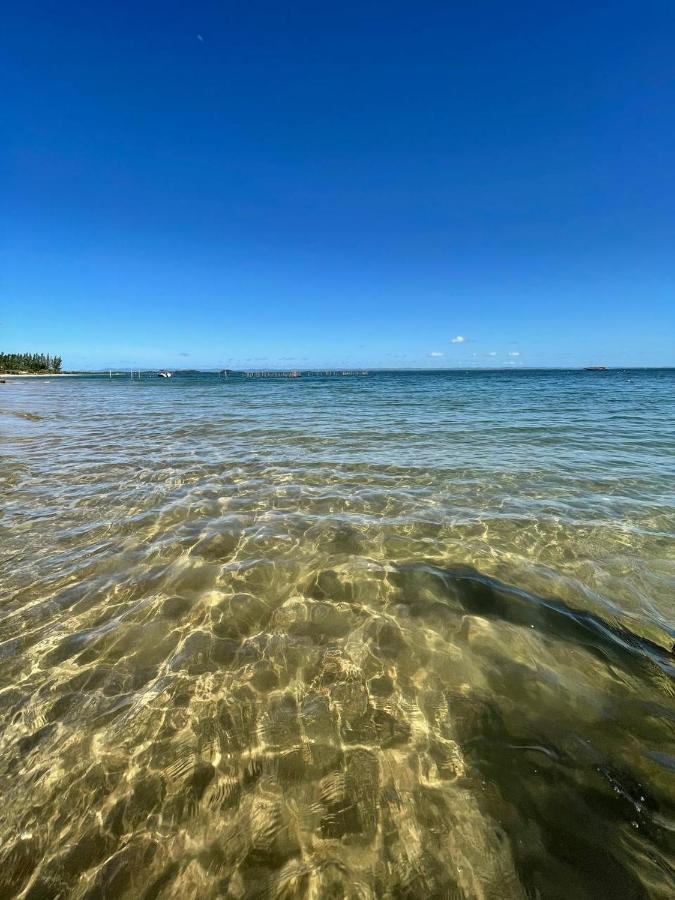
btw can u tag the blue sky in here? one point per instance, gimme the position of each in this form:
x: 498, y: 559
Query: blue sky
x: 259, y: 184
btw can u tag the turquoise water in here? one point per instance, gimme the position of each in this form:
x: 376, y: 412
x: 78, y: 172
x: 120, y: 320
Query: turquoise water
x: 407, y: 635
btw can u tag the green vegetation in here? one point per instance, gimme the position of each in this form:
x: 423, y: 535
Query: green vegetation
x: 32, y: 363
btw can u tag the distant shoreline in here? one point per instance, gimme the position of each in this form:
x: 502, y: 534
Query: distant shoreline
x: 45, y: 374
x: 6, y: 376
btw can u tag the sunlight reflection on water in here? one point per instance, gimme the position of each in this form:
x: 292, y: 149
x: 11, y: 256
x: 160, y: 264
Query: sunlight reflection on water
x: 402, y: 636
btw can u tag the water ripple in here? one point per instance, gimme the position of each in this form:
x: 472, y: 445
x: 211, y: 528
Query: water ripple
x: 411, y: 637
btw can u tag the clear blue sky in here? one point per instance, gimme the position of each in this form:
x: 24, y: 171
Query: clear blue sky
x: 207, y: 184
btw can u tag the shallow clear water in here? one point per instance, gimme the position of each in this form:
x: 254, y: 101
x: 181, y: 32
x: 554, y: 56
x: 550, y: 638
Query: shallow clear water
x: 401, y: 636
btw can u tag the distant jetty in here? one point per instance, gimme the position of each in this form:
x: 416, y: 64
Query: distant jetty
x: 294, y: 373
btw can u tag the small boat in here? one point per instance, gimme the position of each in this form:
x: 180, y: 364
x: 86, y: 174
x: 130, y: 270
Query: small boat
x: 595, y: 368
x: 165, y: 374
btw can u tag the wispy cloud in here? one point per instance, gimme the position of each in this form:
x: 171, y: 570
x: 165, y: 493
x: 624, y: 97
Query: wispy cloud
x: 514, y: 352
x: 436, y: 353
x: 458, y: 339
x: 492, y: 353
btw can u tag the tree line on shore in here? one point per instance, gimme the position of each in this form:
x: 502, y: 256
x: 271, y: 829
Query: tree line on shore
x: 30, y: 362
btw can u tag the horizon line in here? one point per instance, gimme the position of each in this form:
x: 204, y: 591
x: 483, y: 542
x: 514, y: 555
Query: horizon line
x: 320, y: 369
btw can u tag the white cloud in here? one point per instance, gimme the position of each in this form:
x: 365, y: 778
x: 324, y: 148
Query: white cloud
x: 492, y: 353
x: 514, y: 352
x: 459, y: 339
x: 436, y: 353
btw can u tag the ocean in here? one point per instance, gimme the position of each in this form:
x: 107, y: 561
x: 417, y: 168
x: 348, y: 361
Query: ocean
x: 403, y: 635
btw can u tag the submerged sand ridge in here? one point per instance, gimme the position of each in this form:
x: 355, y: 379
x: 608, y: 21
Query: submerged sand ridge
x: 367, y: 736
